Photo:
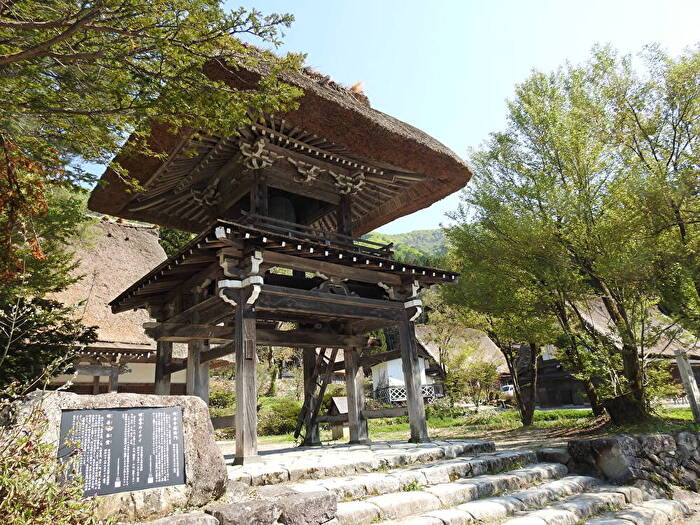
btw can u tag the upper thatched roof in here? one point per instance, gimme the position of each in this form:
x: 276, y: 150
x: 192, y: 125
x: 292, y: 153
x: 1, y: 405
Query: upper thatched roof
x: 335, y: 114
x: 669, y: 337
x: 113, y: 257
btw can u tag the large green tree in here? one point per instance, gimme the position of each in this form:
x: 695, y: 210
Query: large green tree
x: 77, y: 77
x: 562, y: 211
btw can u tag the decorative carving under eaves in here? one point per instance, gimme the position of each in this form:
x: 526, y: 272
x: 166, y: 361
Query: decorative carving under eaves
x: 348, y: 184
x: 306, y: 172
x: 256, y: 156
x: 209, y: 195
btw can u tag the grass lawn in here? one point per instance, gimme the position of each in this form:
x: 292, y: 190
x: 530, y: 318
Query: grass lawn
x: 503, y: 426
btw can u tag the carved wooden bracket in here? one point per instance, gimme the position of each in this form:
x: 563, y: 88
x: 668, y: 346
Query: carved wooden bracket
x: 256, y: 156
x: 307, y: 172
x: 348, y: 184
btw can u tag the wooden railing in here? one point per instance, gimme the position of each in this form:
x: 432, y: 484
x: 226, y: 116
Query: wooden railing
x: 293, y: 229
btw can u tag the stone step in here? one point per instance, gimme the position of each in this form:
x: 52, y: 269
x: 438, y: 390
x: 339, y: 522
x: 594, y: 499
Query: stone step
x: 445, y: 501
x: 445, y: 472
x: 652, y: 512
x: 306, y: 463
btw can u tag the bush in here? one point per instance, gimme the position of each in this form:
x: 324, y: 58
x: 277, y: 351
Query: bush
x: 222, y: 398
x: 30, y: 493
x: 442, y: 409
x: 333, y: 390
x: 278, y: 415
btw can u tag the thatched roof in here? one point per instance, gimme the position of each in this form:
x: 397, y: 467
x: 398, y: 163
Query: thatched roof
x: 110, y: 260
x: 112, y: 257
x: 670, y: 339
x: 338, y: 116
x: 486, y: 349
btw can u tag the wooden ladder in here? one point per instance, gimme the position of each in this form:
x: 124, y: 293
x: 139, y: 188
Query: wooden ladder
x: 313, y: 396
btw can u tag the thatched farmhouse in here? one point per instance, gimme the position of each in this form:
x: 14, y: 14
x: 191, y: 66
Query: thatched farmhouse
x: 113, y: 256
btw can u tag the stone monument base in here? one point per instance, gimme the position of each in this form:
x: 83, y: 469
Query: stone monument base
x: 205, y: 470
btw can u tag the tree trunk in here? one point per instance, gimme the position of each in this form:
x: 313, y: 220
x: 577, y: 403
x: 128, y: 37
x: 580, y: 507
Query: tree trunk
x: 626, y: 409
x: 272, y: 390
x: 526, y: 368
x: 596, y: 405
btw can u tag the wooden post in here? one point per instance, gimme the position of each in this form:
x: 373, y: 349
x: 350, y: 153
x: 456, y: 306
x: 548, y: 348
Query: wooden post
x: 356, y: 397
x: 246, y: 389
x: 308, y: 364
x: 344, y: 214
x: 689, y: 383
x: 411, y: 373
x: 114, y: 378
x: 164, y: 354
x: 201, y: 383
x: 194, y: 354
x: 96, y: 385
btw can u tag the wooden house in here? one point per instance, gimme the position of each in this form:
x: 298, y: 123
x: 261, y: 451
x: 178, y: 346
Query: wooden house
x: 279, y: 209
x: 123, y: 358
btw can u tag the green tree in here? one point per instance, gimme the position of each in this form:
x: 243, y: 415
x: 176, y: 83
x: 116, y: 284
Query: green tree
x: 469, y: 378
x: 34, y: 333
x: 173, y: 240
x: 554, y: 226
x: 79, y: 77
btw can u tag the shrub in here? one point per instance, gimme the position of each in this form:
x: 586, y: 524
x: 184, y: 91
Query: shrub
x: 222, y: 398
x: 333, y: 390
x: 278, y: 415
x: 30, y: 490
x: 442, y: 409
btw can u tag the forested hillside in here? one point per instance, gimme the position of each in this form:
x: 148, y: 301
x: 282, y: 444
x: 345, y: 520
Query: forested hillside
x: 416, y: 247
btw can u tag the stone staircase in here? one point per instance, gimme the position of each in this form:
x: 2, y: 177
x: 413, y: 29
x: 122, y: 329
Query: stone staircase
x: 452, y: 483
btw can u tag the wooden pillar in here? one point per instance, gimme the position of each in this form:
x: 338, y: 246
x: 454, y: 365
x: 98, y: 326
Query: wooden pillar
x: 356, y: 397
x: 164, y: 355
x: 114, y: 378
x: 194, y: 353
x: 197, y: 372
x: 308, y: 364
x: 411, y: 373
x: 96, y: 385
x: 689, y: 383
x: 246, y: 389
x: 344, y: 213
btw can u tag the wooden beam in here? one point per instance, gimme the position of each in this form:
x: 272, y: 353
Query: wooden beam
x: 330, y: 269
x: 100, y: 370
x: 182, y: 332
x: 279, y: 299
x: 366, y: 414
x: 207, y: 311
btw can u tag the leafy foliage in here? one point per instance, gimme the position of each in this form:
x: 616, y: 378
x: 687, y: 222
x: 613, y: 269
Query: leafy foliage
x: 35, y: 332
x: 584, y: 201
x: 173, y: 240
x: 278, y: 415
x: 34, y: 488
x: 79, y: 77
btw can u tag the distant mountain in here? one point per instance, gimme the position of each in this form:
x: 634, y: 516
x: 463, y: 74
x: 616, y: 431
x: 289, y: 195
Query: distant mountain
x: 428, y: 241
x: 416, y: 247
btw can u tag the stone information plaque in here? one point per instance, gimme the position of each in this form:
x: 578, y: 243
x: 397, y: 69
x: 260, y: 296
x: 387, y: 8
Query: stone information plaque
x: 123, y: 449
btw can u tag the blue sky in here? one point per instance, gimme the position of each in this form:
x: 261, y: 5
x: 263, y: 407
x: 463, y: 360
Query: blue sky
x: 447, y: 67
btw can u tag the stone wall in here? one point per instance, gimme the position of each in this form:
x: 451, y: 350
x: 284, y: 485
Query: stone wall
x: 656, y: 463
